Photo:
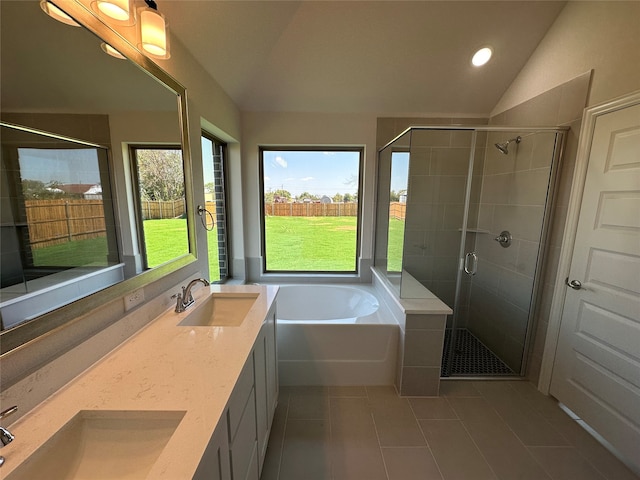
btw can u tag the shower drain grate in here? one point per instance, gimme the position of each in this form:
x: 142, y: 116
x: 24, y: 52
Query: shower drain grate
x: 471, y: 357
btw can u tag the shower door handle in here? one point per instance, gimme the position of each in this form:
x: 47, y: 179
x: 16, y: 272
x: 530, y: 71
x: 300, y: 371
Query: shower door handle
x: 474, y: 268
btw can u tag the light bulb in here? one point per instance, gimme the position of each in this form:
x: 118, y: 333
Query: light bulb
x: 153, y: 33
x: 54, y: 12
x: 481, y: 57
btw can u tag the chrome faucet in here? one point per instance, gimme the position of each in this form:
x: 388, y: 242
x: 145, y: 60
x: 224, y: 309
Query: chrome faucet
x: 184, y: 300
x: 6, y: 437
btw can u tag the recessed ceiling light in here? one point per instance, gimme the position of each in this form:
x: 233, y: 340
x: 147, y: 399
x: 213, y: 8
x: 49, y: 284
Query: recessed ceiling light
x: 481, y: 57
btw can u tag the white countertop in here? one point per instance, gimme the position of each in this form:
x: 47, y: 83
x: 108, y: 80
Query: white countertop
x: 163, y: 367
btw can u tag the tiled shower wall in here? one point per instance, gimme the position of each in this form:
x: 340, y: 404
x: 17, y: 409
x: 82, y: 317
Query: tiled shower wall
x: 514, y: 192
x: 562, y: 106
x: 437, y: 179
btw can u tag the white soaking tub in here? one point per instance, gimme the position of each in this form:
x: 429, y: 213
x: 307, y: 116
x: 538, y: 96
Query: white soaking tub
x: 335, y: 335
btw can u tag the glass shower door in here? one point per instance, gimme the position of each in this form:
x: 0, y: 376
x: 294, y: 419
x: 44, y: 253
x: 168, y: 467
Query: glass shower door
x: 437, y: 212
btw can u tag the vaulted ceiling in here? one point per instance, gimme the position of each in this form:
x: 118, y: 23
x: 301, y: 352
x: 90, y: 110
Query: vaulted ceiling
x: 380, y: 57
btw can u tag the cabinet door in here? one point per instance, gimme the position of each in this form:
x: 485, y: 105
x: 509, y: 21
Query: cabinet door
x: 262, y: 412
x: 244, y: 444
x: 272, y: 363
x: 215, y: 464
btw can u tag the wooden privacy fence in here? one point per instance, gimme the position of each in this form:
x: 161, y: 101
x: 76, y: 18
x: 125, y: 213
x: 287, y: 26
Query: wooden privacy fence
x: 311, y: 209
x: 397, y: 210
x: 158, y: 209
x: 52, y: 222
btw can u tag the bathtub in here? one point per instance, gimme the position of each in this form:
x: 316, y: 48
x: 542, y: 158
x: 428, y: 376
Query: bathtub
x: 335, y: 335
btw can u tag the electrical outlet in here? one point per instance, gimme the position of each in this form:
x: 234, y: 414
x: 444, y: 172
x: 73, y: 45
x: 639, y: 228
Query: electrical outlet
x: 134, y: 299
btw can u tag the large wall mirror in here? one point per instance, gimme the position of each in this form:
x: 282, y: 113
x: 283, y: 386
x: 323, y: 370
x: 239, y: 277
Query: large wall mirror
x: 71, y: 216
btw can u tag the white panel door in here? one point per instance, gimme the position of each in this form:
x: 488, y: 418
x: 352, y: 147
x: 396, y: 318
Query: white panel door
x: 597, y: 365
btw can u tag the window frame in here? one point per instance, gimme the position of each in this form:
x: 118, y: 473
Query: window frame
x: 311, y: 148
x: 137, y: 200
x: 225, y: 234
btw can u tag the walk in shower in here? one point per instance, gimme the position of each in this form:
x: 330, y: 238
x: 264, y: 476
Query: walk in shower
x: 465, y: 211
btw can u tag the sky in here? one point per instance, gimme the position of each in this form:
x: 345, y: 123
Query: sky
x: 78, y: 165
x: 399, y: 171
x: 317, y: 172
x: 207, y: 160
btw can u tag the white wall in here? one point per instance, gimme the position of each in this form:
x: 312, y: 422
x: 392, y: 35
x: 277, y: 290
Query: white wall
x: 304, y: 129
x: 603, y: 36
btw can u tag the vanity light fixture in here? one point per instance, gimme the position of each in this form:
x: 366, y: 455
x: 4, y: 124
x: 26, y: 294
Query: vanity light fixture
x: 109, y: 50
x: 57, y: 14
x: 120, y: 12
x: 481, y: 57
x: 154, y: 38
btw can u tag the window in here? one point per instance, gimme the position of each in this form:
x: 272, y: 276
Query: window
x: 311, y: 217
x: 215, y: 217
x: 57, y: 213
x: 159, y: 175
x: 397, y: 209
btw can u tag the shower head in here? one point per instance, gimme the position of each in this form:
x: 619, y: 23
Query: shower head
x: 504, y: 146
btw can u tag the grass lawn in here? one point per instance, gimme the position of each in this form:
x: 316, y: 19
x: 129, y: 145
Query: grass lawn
x: 395, y: 246
x: 293, y: 244
x: 78, y: 253
x: 311, y: 243
x: 165, y: 240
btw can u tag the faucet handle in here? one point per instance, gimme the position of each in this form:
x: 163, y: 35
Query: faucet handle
x: 6, y: 436
x: 8, y: 411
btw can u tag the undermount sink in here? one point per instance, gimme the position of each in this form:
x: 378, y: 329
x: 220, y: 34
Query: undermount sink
x: 220, y: 310
x: 103, y: 445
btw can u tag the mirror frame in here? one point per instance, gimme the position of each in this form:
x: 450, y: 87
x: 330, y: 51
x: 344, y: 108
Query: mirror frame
x: 29, y: 331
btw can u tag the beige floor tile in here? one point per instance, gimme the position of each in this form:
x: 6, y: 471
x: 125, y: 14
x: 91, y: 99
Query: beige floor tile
x: 355, y: 451
x: 352, y: 414
x: 529, y: 425
x: 504, y: 452
x: 458, y: 388
x: 310, y: 403
x: 474, y: 409
x: 432, y: 408
x: 355, y: 391
x: 565, y: 463
x: 595, y: 453
x: 476, y: 432
x: 271, y: 467
x: 382, y: 391
x: 455, y: 452
x: 395, y: 422
x: 398, y: 428
x: 410, y: 463
x: 306, y: 450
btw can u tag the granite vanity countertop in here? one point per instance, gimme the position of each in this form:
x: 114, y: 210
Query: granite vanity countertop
x: 163, y: 367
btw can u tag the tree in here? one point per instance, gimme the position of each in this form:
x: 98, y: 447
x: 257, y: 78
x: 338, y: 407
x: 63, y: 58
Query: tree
x: 338, y: 197
x: 348, y: 198
x: 307, y: 195
x: 283, y: 195
x: 160, y: 174
x: 209, y: 187
x: 37, y: 190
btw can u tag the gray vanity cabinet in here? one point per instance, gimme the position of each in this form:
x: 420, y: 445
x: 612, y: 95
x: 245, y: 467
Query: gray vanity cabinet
x: 215, y: 463
x: 237, y: 448
x: 265, y: 361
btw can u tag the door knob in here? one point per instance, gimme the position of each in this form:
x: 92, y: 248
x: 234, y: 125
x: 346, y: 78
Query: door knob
x: 575, y: 284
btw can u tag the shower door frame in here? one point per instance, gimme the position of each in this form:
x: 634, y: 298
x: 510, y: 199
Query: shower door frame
x: 559, y: 145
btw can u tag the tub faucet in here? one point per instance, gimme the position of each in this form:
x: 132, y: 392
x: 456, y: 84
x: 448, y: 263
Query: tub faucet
x: 6, y: 437
x: 184, y: 300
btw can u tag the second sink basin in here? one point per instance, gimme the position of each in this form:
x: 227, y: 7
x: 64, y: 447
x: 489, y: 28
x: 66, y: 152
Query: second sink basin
x: 97, y: 444
x: 220, y: 309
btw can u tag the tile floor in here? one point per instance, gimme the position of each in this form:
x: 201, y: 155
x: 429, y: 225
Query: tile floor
x: 475, y: 430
